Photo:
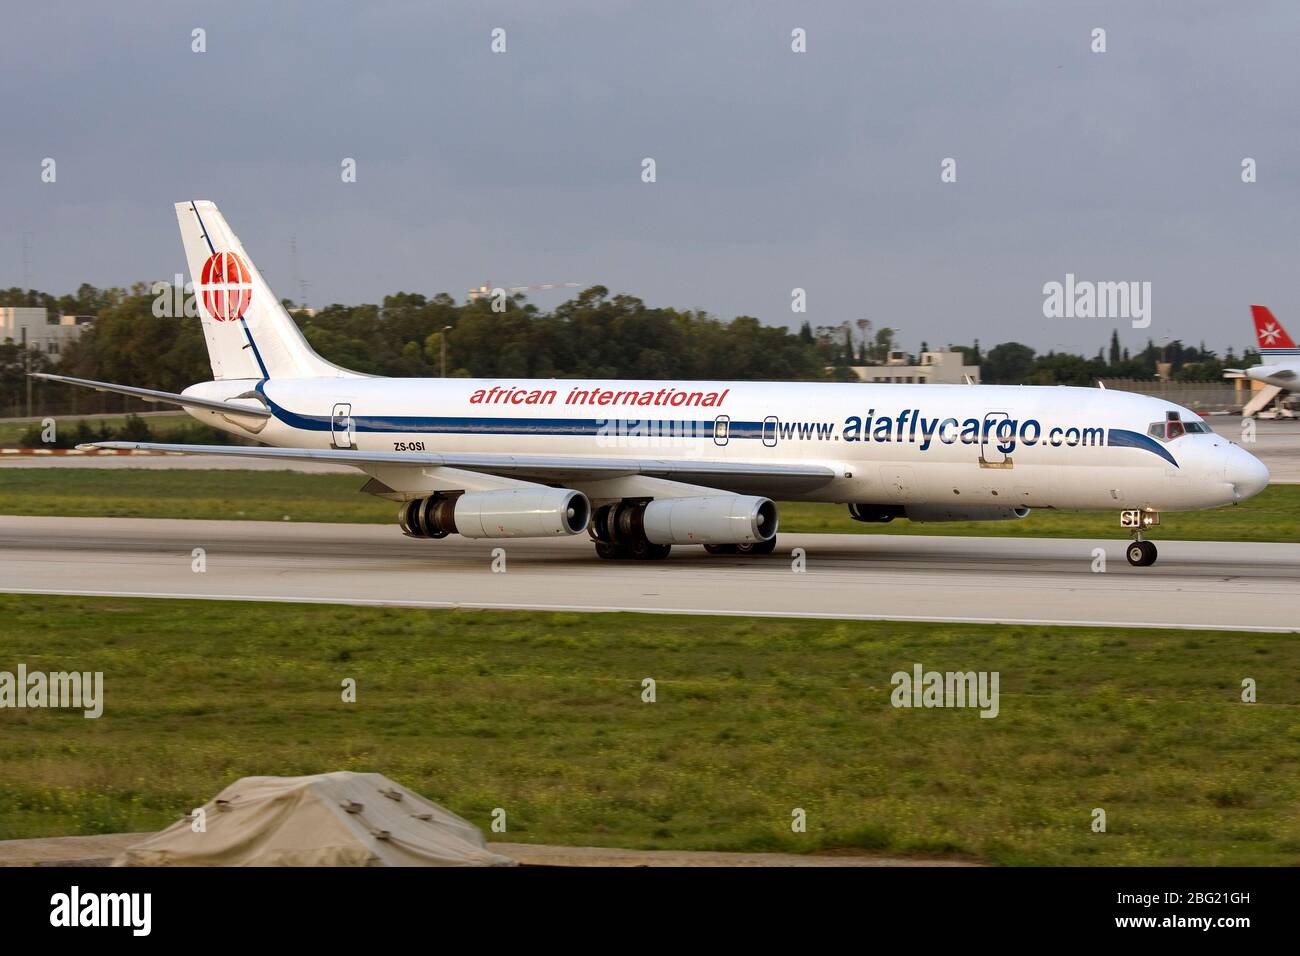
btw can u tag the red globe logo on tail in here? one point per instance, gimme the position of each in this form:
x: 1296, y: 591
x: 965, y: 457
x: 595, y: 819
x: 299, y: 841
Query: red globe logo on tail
x: 227, y: 286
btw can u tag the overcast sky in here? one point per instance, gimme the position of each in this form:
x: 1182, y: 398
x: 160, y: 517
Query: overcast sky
x: 775, y: 170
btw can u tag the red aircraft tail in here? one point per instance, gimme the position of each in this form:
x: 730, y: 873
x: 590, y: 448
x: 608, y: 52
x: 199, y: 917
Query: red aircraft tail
x: 1269, y: 331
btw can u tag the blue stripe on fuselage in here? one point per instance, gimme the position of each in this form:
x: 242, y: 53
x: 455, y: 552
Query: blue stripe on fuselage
x: 442, y: 425
x: 1122, y: 438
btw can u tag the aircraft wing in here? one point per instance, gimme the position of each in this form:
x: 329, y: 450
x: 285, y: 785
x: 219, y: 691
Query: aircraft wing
x: 784, y: 477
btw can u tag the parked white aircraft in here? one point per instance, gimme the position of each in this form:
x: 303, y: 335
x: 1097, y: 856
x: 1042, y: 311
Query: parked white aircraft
x: 645, y: 465
x: 1279, y: 369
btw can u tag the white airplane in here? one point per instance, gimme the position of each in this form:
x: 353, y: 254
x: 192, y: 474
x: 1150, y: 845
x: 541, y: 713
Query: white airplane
x: 645, y: 465
x: 1280, y: 365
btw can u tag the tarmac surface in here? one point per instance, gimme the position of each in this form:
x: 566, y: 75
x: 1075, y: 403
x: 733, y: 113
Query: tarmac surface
x: 1224, y: 585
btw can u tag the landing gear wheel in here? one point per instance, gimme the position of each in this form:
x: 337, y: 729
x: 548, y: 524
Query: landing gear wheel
x: 1141, y: 554
x: 610, y: 552
x: 720, y: 548
x: 757, y: 548
x: 644, y: 550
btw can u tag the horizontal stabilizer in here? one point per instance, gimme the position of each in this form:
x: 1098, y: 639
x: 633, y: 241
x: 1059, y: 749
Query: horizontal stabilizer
x: 152, y: 395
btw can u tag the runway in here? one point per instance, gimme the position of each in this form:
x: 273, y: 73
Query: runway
x: 1235, y: 585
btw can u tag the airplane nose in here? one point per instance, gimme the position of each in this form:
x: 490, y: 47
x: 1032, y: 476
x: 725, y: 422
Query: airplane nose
x: 1246, y: 473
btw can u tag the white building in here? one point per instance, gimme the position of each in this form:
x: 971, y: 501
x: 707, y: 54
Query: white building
x: 936, y: 368
x: 41, y: 331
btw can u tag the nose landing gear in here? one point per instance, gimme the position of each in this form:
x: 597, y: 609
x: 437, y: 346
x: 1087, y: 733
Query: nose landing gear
x: 1140, y: 553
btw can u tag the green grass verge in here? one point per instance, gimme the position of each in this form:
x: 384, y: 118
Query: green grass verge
x: 11, y: 431
x: 541, y: 714
x: 273, y: 495
x: 185, y: 493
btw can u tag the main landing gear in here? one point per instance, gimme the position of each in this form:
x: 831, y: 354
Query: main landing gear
x: 639, y: 550
x: 751, y: 549
x: 1140, y: 552
x: 619, y: 533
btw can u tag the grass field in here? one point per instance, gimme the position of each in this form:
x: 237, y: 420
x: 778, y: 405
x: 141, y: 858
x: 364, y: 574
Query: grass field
x: 541, y: 714
x: 271, y: 495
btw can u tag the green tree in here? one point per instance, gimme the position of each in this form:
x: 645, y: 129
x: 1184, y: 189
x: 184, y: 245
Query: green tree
x: 1010, y: 363
x: 884, y: 344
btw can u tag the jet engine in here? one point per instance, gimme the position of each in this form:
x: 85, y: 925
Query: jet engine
x: 511, y: 513
x: 711, y: 519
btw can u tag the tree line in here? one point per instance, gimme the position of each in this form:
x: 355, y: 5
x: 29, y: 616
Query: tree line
x: 594, y: 334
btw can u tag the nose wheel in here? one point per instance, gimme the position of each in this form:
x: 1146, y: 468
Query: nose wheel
x: 1141, y: 554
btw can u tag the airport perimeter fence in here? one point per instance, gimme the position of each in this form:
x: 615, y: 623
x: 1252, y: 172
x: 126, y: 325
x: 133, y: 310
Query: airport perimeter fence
x: 69, y: 400
x: 1198, y: 396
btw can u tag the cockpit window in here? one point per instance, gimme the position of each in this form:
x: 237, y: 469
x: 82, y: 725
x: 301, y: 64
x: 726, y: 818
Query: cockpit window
x: 1174, y: 427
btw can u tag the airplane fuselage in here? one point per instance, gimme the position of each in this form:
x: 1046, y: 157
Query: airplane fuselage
x: 946, y: 445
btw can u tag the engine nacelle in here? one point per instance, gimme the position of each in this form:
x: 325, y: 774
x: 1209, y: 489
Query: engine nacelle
x: 512, y: 513
x: 931, y: 513
x: 523, y: 513
x: 712, y: 519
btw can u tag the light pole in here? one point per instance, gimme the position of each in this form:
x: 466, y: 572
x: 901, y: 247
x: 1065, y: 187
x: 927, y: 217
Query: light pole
x: 445, y: 330
x: 27, y: 367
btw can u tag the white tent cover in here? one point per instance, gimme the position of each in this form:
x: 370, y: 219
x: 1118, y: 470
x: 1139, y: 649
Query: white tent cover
x: 330, y: 819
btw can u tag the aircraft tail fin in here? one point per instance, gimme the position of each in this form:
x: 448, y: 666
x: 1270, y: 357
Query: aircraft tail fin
x: 1273, y: 339
x: 248, y: 332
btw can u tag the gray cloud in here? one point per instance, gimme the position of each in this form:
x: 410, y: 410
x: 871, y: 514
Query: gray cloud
x: 775, y: 170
